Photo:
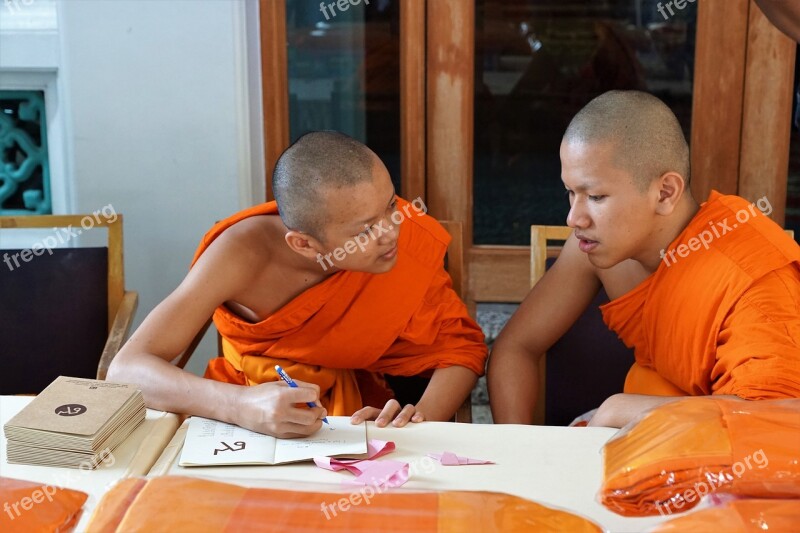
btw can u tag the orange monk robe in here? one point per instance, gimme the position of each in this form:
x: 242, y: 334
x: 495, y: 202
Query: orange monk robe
x: 170, y: 503
x: 722, y: 320
x: 405, y: 322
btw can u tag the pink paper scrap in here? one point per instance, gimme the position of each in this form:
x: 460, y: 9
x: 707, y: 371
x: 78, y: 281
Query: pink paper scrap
x: 451, y: 459
x: 368, y: 471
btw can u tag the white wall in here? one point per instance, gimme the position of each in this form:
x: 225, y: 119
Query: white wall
x: 159, y: 104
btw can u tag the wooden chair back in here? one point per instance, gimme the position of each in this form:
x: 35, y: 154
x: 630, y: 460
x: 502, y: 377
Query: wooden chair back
x: 588, y: 363
x: 65, y: 310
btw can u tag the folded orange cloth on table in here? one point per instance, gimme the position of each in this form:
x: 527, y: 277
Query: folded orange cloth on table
x: 345, y: 332
x: 739, y: 516
x: 174, y: 503
x: 31, y: 507
x: 681, y: 451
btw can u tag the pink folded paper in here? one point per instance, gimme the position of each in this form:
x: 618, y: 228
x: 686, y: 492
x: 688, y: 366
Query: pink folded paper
x: 451, y: 459
x: 367, y: 471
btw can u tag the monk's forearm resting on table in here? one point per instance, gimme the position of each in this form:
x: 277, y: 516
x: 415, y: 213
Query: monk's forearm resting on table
x: 513, y: 383
x: 446, y: 392
x: 621, y: 409
x: 168, y: 388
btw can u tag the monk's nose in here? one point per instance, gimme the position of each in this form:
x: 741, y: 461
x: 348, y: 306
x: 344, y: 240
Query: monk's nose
x: 576, y: 217
x: 391, y: 235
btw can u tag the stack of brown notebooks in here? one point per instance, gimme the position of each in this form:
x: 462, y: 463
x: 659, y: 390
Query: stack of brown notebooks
x: 74, y: 423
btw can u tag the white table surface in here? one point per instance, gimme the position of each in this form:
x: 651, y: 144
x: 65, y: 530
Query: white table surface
x: 133, y: 457
x: 555, y: 466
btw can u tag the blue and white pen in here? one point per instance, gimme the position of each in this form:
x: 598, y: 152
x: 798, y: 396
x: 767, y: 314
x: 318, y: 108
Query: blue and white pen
x: 289, y: 381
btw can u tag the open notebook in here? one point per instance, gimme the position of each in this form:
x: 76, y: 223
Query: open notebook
x: 213, y: 443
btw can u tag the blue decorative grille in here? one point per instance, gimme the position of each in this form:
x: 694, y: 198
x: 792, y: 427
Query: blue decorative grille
x: 24, y: 166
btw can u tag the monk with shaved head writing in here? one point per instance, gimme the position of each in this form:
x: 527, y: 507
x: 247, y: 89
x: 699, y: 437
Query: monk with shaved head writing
x: 338, y: 281
x: 707, y: 295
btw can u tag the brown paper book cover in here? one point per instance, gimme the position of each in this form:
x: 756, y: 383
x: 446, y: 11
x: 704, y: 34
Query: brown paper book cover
x: 74, y: 406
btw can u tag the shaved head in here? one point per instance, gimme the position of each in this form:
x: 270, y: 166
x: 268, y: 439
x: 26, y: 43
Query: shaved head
x: 645, y: 134
x: 316, y: 164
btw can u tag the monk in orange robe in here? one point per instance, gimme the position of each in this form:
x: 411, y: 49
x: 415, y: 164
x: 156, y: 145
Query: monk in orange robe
x: 707, y: 295
x: 339, y: 281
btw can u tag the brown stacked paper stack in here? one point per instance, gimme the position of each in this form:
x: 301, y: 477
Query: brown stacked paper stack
x: 74, y: 423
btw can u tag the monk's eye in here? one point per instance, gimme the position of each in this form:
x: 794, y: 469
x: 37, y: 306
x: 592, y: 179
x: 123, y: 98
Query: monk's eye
x: 596, y: 198
x: 366, y: 229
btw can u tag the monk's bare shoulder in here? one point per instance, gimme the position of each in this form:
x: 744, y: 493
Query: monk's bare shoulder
x: 253, y: 238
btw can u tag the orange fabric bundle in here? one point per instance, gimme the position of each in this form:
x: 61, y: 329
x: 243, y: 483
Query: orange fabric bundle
x: 404, y: 322
x: 175, y: 503
x: 676, y: 454
x: 720, y: 315
x: 30, y: 507
x: 739, y: 516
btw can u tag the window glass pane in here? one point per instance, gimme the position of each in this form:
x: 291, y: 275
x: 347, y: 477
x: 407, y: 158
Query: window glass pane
x: 538, y: 62
x: 344, y: 73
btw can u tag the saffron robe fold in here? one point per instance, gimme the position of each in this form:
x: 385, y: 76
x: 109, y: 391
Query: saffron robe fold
x: 678, y: 452
x: 721, y: 320
x: 170, y: 503
x: 404, y: 322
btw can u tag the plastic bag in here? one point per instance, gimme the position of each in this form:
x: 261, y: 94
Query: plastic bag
x: 739, y: 516
x: 677, y: 453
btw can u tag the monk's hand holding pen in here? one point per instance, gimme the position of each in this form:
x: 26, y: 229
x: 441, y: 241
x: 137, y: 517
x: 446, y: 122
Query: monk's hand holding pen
x: 391, y: 412
x: 278, y: 410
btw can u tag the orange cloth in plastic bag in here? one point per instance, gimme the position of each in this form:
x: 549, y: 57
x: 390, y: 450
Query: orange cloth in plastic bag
x: 174, y: 503
x: 681, y: 451
x: 31, y: 507
x: 404, y: 322
x: 722, y: 320
x: 739, y: 516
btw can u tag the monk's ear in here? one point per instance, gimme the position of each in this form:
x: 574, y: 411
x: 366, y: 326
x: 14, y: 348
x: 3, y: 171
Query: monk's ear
x: 303, y: 243
x: 670, y: 191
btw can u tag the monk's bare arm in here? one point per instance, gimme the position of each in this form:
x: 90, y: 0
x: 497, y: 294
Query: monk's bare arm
x: 621, y: 409
x: 552, y: 306
x: 442, y: 397
x: 445, y: 393
x: 168, y: 330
